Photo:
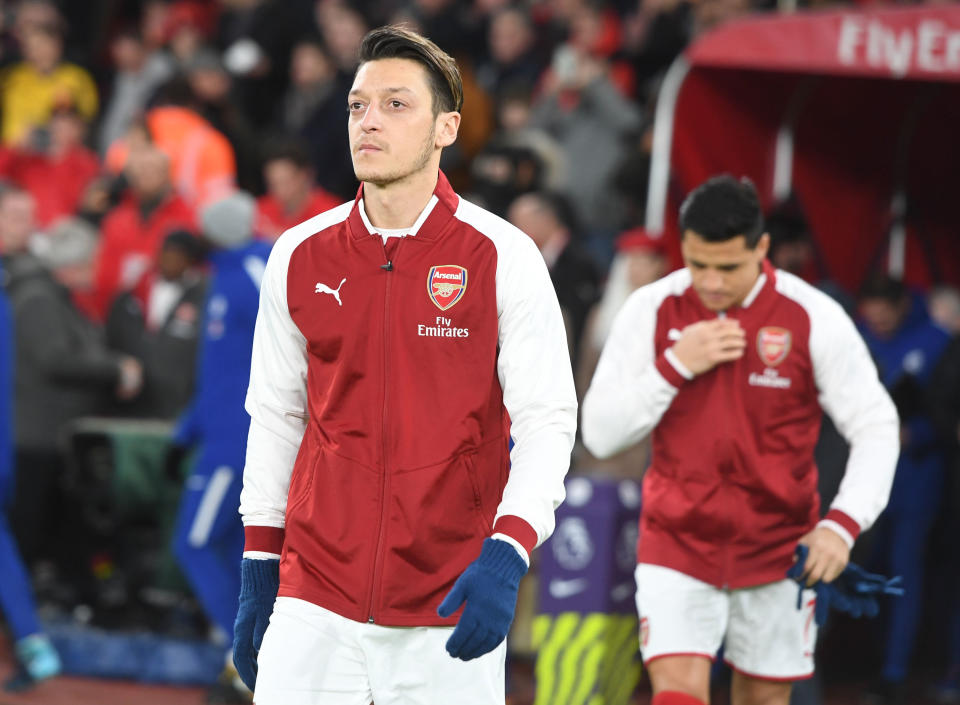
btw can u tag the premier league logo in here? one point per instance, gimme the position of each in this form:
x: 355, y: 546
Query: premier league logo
x: 773, y: 345
x: 446, y: 284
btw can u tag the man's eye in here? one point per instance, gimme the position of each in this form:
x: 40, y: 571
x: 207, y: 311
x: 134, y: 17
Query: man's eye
x: 355, y: 106
x: 396, y: 104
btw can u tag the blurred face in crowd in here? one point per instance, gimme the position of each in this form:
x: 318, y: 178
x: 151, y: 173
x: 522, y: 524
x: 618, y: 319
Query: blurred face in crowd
x: 210, y: 85
x: 42, y: 48
x: 343, y: 30
x: 149, y: 172
x: 287, y: 182
x: 32, y: 14
x: 185, y: 42
x: 723, y: 273
x: 67, y: 130
x: 394, y: 132
x: 153, y: 24
x: 514, y: 114
x: 712, y: 13
x: 16, y: 221
x: 537, y: 221
x: 310, y: 66
x: 173, y: 263
x: 944, y: 304
x: 510, y: 36
x: 882, y: 316
x: 792, y: 256
x: 128, y: 53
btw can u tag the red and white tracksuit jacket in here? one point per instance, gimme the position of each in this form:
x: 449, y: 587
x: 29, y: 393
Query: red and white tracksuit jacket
x: 732, y: 483
x: 382, y: 399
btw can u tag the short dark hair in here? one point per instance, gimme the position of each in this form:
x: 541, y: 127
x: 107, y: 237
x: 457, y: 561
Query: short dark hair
x: 395, y: 42
x: 288, y: 149
x: 883, y: 286
x: 723, y: 208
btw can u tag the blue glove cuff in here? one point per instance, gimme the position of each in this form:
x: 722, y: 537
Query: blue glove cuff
x: 501, y: 559
x: 260, y: 575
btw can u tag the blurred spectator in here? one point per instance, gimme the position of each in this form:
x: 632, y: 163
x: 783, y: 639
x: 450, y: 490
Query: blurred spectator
x: 451, y: 24
x: 640, y: 260
x: 134, y: 231
x: 654, y: 35
x: 258, y: 36
x: 209, y: 534
x: 794, y: 249
x: 313, y: 109
x: 945, y: 410
x: 944, y: 305
x: 906, y: 347
x: 590, y: 120
x: 139, y: 73
x: 213, y: 100
x: 33, y: 88
x: 342, y: 28
x: 202, y: 164
x: 187, y: 26
x: 63, y: 371
x: 55, y: 166
x: 512, y: 59
x: 163, y: 331
x: 292, y: 195
x: 35, y: 655
x: 547, y: 221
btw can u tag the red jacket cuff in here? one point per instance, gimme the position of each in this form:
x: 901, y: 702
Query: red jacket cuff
x: 267, y: 539
x: 517, y: 529
x: 844, y: 520
x: 669, y: 372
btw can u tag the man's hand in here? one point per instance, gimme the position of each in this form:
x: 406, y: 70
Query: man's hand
x: 828, y: 556
x: 130, y: 380
x: 489, y: 586
x: 706, y: 344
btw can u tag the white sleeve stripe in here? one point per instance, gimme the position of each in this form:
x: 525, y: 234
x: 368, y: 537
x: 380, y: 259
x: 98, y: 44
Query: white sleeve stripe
x: 675, y: 363
x: 838, y: 528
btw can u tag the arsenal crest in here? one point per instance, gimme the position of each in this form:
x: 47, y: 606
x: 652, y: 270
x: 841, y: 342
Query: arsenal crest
x: 446, y: 284
x: 773, y: 345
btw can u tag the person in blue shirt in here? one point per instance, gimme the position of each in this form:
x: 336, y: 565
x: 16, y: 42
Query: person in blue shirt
x: 36, y: 658
x: 208, y: 539
x: 906, y: 347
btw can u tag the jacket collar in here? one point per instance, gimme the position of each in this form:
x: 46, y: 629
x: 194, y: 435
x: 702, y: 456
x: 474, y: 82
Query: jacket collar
x: 429, y: 226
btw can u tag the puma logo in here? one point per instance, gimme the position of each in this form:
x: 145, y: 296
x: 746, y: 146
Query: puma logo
x: 335, y: 293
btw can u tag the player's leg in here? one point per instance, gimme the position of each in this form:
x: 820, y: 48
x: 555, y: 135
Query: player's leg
x: 769, y: 642
x: 747, y: 690
x: 682, y: 622
x: 34, y: 651
x: 209, y: 538
x: 410, y: 665
x: 311, y: 656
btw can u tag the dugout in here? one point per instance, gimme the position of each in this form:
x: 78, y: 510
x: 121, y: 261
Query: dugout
x: 854, y: 113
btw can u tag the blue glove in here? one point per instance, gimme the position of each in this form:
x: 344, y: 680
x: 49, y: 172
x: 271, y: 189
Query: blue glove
x: 854, y: 591
x: 489, y: 586
x: 259, y: 582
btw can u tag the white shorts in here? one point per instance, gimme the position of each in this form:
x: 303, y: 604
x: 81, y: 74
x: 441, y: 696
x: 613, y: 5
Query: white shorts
x: 311, y: 656
x: 763, y: 633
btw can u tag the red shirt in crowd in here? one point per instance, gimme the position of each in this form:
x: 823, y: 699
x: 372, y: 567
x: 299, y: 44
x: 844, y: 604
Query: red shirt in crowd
x: 129, y: 245
x: 273, y: 220
x: 56, y: 184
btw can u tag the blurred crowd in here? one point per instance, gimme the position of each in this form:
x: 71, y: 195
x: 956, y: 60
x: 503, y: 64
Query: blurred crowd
x: 123, y: 123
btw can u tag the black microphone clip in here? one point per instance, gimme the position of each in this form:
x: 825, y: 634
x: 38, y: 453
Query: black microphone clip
x: 388, y: 267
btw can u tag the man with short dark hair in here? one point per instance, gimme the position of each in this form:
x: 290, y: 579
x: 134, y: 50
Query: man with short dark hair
x: 906, y: 345
x: 402, y: 340
x: 292, y: 193
x: 729, y: 363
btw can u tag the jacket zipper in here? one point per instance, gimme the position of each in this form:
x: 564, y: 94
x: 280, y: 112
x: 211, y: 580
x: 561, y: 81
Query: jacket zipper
x: 377, y: 560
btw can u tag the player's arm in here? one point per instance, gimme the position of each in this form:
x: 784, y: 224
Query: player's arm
x: 277, y: 404
x: 631, y: 388
x: 537, y: 381
x: 851, y: 393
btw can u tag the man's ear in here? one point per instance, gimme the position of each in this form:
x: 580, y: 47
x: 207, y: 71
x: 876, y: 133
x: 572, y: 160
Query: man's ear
x: 447, y: 126
x: 763, y: 245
